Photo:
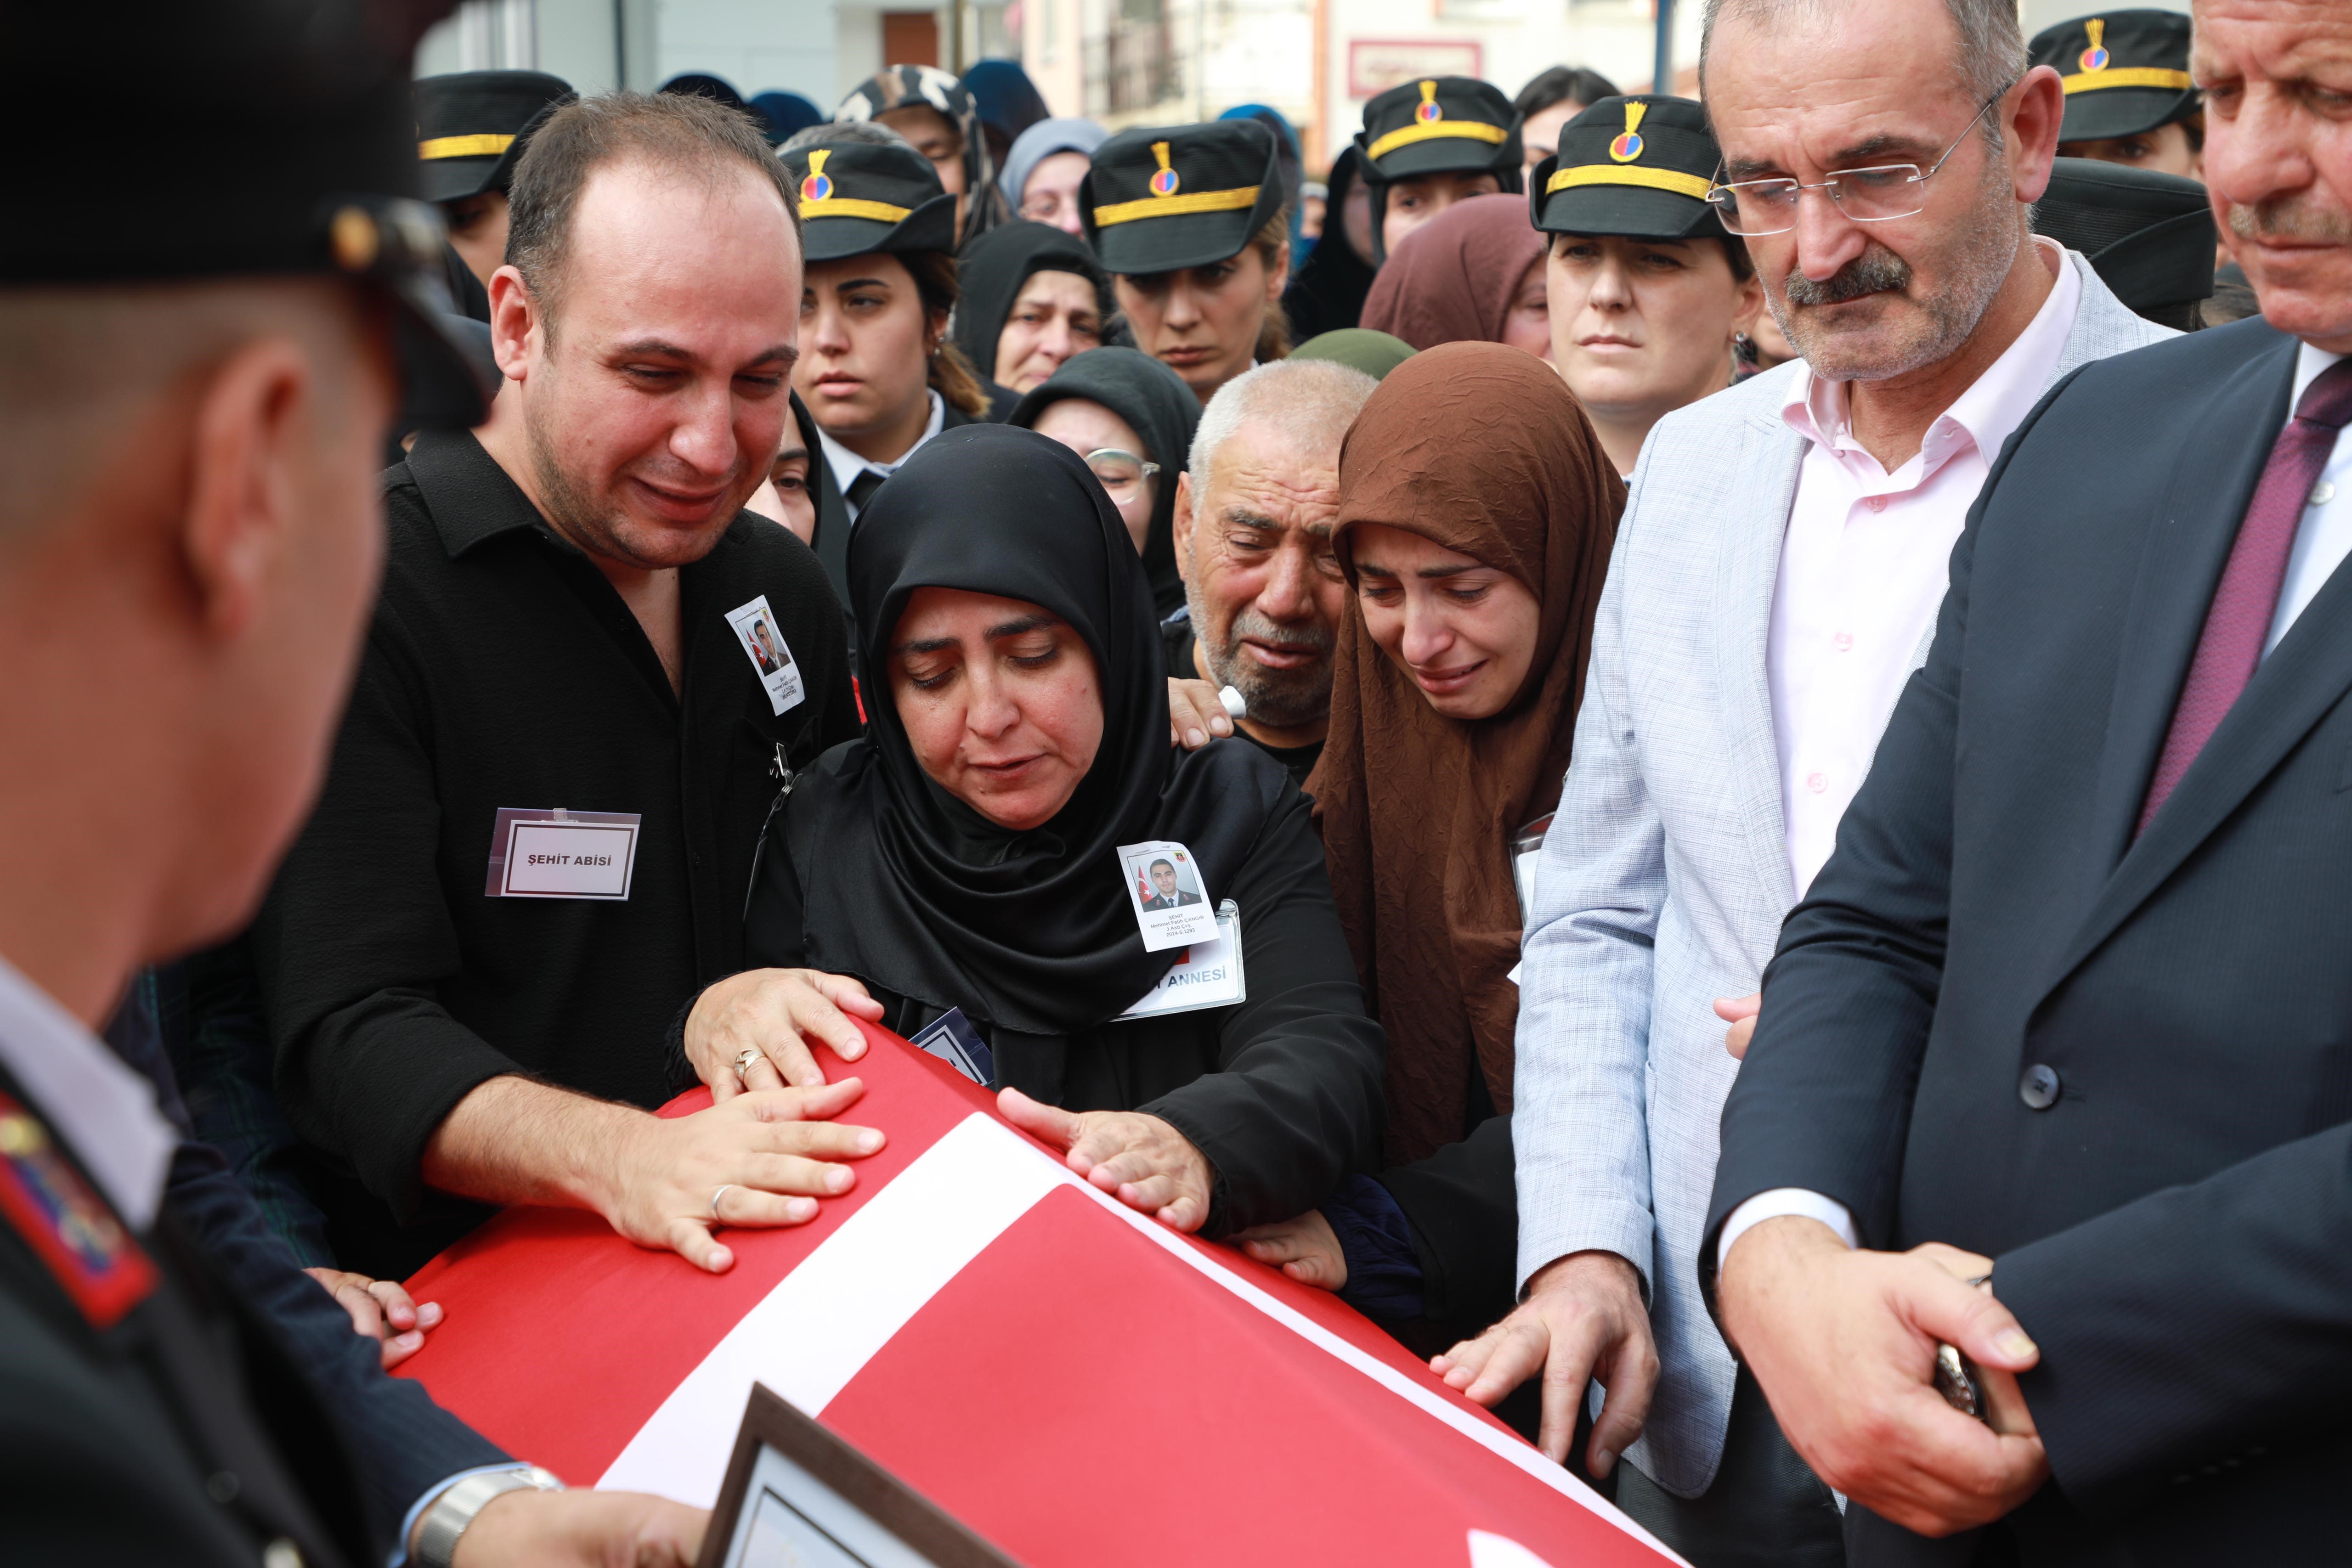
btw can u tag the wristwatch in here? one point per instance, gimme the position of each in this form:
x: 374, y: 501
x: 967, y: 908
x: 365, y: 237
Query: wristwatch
x: 454, y: 1510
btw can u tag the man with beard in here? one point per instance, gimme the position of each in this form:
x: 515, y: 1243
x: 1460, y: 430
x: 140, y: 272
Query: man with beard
x: 536, y: 835
x: 1774, y: 583
x: 1252, y: 531
x: 2072, y: 994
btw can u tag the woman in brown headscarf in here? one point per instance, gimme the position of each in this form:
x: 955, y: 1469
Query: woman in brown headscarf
x: 1474, y: 274
x: 1477, y: 512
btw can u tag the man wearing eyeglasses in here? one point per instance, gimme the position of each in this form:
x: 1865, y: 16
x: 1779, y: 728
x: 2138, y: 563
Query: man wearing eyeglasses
x: 1774, y: 583
x: 2072, y: 995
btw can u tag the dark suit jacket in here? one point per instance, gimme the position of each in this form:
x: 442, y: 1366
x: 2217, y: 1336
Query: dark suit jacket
x: 183, y: 1433
x: 2176, y: 1230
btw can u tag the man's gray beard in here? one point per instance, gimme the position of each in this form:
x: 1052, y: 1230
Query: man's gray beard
x: 2290, y: 219
x: 1979, y: 269
x: 1285, y: 699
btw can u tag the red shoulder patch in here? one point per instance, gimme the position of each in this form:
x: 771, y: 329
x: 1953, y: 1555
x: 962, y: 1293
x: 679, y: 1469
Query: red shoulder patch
x: 48, y: 1203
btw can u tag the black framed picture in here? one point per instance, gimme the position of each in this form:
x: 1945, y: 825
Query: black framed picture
x: 797, y: 1496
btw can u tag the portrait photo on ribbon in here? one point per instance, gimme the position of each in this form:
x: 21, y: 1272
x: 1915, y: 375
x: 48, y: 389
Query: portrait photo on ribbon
x: 1170, y: 904
x: 770, y: 655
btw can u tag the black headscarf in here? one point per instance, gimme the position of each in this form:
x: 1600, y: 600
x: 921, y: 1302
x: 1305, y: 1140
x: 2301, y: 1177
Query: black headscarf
x: 831, y: 540
x: 1163, y: 411
x: 992, y: 270
x: 928, y: 87
x: 906, y: 887
x: 1327, y: 293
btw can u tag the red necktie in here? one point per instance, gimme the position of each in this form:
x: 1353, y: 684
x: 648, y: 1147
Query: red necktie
x: 2240, y: 619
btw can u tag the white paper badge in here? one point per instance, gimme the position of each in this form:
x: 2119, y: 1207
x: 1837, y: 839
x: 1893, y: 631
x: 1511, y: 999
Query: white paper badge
x: 560, y: 853
x: 1205, y: 974
x: 1171, y: 902
x: 763, y: 644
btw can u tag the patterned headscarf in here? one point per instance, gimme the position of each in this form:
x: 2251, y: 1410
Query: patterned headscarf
x: 928, y: 87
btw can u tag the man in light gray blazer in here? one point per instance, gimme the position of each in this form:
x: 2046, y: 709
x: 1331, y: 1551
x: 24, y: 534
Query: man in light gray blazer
x: 1774, y: 583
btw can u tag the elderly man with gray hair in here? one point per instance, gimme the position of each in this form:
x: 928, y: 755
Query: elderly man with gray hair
x: 1263, y: 593
x: 1775, y: 582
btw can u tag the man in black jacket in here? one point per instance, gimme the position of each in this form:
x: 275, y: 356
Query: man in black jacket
x: 195, y: 379
x: 2065, y: 1014
x: 535, y: 840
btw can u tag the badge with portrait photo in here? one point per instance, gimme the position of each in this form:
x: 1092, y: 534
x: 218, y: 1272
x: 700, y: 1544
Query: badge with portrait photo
x: 771, y: 661
x: 1171, y: 904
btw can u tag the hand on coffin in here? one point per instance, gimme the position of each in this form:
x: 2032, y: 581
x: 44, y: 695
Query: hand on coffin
x: 1843, y: 1341
x: 1583, y: 1322
x: 579, y: 1530
x: 762, y: 1158
x: 1141, y: 1160
x: 1307, y: 1248
x: 380, y: 1309
x: 1196, y: 714
x: 774, y: 1013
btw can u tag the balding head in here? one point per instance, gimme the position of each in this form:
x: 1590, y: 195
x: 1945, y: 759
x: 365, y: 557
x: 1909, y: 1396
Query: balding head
x: 1254, y: 539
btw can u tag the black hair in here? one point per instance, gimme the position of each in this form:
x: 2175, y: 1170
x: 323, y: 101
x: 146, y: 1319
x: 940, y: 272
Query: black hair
x: 1563, y: 84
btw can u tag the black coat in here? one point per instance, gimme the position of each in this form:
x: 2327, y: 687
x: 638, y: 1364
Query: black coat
x: 183, y: 1432
x: 2174, y: 1229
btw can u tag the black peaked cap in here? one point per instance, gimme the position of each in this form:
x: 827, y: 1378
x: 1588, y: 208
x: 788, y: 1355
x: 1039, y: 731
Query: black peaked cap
x: 1441, y: 125
x: 2124, y: 72
x: 1160, y: 198
x: 472, y: 128
x: 857, y: 198
x: 1638, y: 166
x: 311, y: 97
x: 2149, y: 237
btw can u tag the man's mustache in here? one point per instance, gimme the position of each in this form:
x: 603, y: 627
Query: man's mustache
x: 2289, y: 218
x: 1875, y: 271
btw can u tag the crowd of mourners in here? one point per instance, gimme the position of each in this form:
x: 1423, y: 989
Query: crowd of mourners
x: 1677, y: 639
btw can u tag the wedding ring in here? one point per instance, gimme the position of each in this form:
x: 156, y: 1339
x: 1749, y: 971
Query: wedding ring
x: 744, y: 1057
x: 714, y: 1201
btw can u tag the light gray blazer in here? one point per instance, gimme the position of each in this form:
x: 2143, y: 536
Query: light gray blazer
x: 1664, y: 878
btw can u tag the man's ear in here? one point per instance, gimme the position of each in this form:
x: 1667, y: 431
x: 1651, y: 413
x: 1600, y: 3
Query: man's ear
x: 514, y: 321
x: 1180, y: 527
x: 254, y: 419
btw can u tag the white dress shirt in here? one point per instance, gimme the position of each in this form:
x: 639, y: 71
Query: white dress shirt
x: 1865, y: 563
x: 103, y: 1111
x: 2322, y: 541
x: 848, y: 465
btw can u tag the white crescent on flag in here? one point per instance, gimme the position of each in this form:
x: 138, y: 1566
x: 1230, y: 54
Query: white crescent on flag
x: 1073, y: 1380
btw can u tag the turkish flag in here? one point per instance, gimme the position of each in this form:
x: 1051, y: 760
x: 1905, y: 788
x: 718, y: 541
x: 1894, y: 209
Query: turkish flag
x: 1075, y: 1381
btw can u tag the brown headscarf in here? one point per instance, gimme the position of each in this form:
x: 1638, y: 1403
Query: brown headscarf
x: 1452, y: 279
x: 1483, y: 449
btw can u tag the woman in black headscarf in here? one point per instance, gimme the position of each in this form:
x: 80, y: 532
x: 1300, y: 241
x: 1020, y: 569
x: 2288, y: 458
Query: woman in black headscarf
x: 1085, y: 406
x: 965, y: 854
x: 1327, y: 294
x: 1033, y: 298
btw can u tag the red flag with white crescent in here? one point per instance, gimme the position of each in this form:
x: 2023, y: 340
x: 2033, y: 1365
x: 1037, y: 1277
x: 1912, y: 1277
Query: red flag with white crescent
x: 1075, y: 1381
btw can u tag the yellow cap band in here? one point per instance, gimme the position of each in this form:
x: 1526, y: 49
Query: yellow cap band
x: 1230, y: 201
x: 851, y: 207
x: 1470, y: 129
x: 1680, y: 183
x: 2128, y: 75
x: 489, y: 144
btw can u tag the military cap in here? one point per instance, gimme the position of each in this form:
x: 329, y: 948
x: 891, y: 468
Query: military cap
x: 313, y: 102
x: 472, y: 127
x: 1441, y: 125
x: 1165, y: 198
x: 2124, y: 72
x: 2149, y: 237
x: 857, y: 198
x: 1639, y: 166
